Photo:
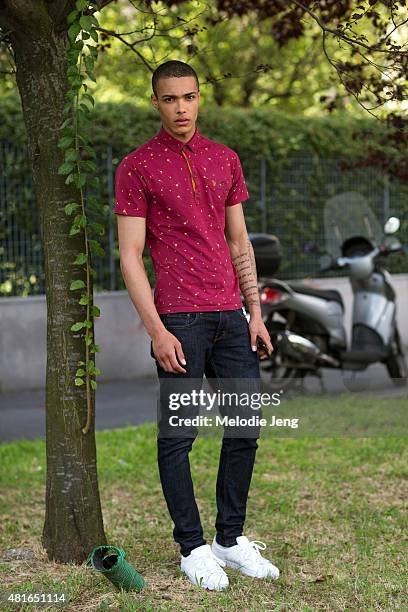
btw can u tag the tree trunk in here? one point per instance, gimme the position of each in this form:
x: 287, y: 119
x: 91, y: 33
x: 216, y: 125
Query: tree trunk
x: 73, y: 518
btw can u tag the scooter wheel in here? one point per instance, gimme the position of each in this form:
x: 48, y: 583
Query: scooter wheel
x: 397, y: 369
x: 396, y: 363
x: 287, y: 379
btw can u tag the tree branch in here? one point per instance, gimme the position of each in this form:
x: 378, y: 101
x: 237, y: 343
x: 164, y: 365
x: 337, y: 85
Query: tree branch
x: 339, y: 34
x: 333, y: 64
x: 128, y: 44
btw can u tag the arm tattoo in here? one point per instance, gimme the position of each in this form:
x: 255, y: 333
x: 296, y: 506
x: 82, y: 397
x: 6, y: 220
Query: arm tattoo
x: 245, y: 266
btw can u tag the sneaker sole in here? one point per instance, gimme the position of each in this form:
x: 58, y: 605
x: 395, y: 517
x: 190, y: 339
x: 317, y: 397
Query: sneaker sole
x: 238, y: 567
x: 205, y: 588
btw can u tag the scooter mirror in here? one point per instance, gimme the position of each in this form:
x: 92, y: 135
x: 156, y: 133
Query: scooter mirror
x: 393, y: 244
x: 392, y: 225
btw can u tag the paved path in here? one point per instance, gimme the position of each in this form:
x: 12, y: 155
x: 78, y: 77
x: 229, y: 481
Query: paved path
x: 122, y: 403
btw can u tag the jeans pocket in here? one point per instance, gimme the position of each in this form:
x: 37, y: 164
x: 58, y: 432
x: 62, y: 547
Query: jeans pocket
x: 180, y: 320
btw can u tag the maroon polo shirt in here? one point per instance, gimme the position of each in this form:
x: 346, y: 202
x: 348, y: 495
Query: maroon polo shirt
x: 182, y: 190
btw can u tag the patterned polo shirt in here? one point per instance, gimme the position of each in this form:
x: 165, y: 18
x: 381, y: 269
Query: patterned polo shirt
x: 182, y: 190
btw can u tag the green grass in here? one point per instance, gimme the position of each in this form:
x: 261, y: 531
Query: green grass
x: 333, y: 512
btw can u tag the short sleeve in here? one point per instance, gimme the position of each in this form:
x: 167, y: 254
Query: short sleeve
x: 130, y: 191
x: 238, y: 191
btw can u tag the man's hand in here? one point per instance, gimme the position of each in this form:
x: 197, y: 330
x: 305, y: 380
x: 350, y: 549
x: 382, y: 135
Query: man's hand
x: 257, y: 328
x: 167, y: 349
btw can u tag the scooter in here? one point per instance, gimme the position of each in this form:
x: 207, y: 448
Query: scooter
x: 306, y: 323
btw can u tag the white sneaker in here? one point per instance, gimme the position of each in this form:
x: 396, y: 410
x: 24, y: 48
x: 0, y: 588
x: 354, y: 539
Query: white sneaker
x: 204, y: 569
x: 245, y: 556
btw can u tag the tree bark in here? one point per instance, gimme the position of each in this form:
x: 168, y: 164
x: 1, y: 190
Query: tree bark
x: 73, y: 519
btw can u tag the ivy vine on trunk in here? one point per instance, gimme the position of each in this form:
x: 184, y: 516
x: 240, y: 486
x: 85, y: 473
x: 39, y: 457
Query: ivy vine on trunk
x: 79, y: 161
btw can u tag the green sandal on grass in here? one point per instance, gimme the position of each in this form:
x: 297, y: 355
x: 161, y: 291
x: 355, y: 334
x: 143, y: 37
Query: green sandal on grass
x: 111, y: 562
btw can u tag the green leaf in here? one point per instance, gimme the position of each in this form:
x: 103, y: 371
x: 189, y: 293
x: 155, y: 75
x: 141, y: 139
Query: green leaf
x: 73, y: 31
x: 80, y: 259
x: 65, y: 168
x: 66, y: 122
x: 79, y: 180
x: 94, y: 384
x: 77, y: 326
x: 88, y: 323
x: 79, y: 382
x: 89, y: 62
x: 70, y: 95
x: 95, y: 371
x: 93, y: 50
x: 91, y: 99
x: 80, y: 220
x: 96, y: 227
x: 76, y: 284
x: 85, y: 22
x: 81, y: 4
x: 88, y: 165
x: 71, y: 155
x: 84, y: 300
x: 94, y: 182
x: 69, y: 131
x: 94, y: 34
x: 67, y: 107
x: 91, y: 75
x: 75, y: 83
x: 93, y: 203
x: 69, y: 208
x: 88, y: 341
x: 89, y: 151
x: 69, y: 179
x: 72, y: 56
x: 82, y: 117
x: 80, y: 372
x: 64, y: 142
x: 77, y: 45
x: 91, y: 363
x: 95, y: 348
x: 96, y: 248
x: 95, y: 311
x: 72, y: 16
x: 73, y: 70
x: 83, y: 139
x: 84, y: 108
x: 74, y: 230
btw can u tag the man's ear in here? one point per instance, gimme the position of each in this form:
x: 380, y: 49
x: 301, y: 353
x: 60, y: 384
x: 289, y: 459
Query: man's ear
x: 154, y: 101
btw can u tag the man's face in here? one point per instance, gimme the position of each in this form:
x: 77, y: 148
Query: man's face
x: 177, y: 100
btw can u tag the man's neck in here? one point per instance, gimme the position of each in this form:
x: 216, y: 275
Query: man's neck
x: 184, y: 138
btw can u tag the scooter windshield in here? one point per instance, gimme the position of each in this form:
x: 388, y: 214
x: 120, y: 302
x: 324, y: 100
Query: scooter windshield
x: 347, y: 215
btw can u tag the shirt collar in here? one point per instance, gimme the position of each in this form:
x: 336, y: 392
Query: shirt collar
x: 176, y: 145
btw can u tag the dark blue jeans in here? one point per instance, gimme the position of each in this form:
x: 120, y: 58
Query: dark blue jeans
x: 216, y: 344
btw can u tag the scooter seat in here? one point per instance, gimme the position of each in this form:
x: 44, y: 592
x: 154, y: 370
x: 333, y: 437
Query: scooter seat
x: 325, y: 294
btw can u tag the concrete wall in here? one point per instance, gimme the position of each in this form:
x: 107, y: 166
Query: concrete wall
x: 125, y: 345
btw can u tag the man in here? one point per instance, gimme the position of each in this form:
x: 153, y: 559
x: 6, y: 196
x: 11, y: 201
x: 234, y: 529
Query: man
x: 182, y: 192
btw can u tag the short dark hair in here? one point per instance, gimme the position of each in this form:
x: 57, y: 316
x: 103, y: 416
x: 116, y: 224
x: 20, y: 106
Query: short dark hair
x: 172, y: 68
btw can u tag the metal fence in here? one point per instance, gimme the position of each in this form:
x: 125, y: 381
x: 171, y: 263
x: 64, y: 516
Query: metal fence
x: 287, y: 198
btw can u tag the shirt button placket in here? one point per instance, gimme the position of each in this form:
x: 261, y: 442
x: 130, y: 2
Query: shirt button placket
x: 193, y: 183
